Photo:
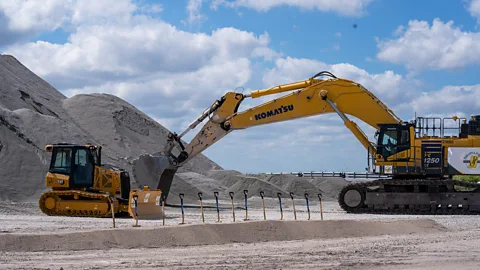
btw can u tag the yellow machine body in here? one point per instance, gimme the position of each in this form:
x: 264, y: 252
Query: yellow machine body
x: 421, y: 156
x: 81, y: 186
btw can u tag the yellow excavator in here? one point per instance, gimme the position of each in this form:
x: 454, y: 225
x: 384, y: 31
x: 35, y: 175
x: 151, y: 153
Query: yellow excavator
x: 420, y: 158
x: 84, y: 187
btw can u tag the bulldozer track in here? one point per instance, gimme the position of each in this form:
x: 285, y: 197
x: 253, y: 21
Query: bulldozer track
x: 57, y: 195
x: 407, y: 209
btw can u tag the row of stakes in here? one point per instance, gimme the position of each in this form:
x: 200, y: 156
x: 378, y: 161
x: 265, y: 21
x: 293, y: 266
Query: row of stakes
x: 262, y: 194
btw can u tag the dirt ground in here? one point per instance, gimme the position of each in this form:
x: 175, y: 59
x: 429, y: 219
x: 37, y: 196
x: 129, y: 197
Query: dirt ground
x: 340, y: 241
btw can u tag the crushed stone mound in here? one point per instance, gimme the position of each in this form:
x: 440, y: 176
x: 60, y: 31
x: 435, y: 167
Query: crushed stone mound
x: 330, y: 186
x: 179, y: 185
x: 205, y: 184
x: 238, y: 182
x: 34, y: 114
x: 254, y: 186
x: 213, y: 234
x: 225, y: 177
x: 22, y: 89
x: 291, y: 183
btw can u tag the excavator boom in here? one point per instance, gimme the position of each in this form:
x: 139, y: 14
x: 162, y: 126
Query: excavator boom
x: 307, y: 98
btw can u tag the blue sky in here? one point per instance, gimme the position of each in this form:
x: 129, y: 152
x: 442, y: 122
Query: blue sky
x: 171, y: 59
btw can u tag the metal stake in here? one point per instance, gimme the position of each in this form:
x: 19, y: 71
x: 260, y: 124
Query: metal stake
x: 279, y: 195
x: 110, y: 199
x: 201, y: 205
x: 135, y: 199
x: 321, y: 206
x: 163, y: 209
x: 308, y: 206
x: 293, y: 205
x: 233, y: 205
x: 246, y: 207
x: 218, y: 210
x: 181, y: 205
x: 263, y: 205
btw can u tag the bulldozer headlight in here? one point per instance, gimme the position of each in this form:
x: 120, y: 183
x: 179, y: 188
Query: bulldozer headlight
x: 60, y: 182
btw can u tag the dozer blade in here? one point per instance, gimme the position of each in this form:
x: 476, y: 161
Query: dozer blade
x: 154, y: 171
x: 145, y: 203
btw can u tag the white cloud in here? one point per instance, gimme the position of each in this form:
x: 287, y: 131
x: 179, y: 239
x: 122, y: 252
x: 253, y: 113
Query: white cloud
x: 144, y: 47
x: 102, y: 12
x: 474, y: 8
x: 448, y: 101
x: 151, y: 8
x: 399, y: 31
x: 343, y: 7
x: 21, y: 19
x: 27, y: 16
x: 194, y: 14
x: 439, y: 46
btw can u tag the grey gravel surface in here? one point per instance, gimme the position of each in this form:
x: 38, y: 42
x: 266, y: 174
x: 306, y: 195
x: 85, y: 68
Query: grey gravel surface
x: 452, y: 249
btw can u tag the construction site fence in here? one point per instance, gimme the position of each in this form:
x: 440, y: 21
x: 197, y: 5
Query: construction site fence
x: 346, y: 175
x: 292, y: 196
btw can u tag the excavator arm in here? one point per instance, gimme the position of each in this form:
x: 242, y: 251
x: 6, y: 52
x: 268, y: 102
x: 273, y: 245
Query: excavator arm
x: 306, y: 98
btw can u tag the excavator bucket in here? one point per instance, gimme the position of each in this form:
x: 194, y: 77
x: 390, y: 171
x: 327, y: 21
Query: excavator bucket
x: 155, y: 171
x: 145, y: 203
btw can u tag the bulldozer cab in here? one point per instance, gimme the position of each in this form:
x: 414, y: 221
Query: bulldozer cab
x: 76, y: 161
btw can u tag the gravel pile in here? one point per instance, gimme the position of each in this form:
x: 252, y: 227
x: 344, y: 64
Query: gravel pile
x: 33, y: 114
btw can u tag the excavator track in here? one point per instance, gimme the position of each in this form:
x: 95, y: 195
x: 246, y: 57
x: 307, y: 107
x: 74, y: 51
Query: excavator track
x: 412, y: 197
x: 50, y: 201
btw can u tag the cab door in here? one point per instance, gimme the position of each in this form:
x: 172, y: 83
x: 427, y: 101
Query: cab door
x: 83, y: 168
x: 394, y: 143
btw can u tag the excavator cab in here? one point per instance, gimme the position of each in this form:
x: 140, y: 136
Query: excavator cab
x: 393, y: 139
x: 422, y: 147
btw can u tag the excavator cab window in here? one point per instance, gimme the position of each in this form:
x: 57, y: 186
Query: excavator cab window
x: 393, y: 139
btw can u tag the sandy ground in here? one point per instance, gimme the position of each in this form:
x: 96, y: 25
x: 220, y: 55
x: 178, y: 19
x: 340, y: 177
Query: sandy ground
x: 341, y: 241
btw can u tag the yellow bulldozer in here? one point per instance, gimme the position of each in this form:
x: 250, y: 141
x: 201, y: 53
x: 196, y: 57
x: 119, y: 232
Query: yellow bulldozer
x: 420, y: 156
x: 82, y: 186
